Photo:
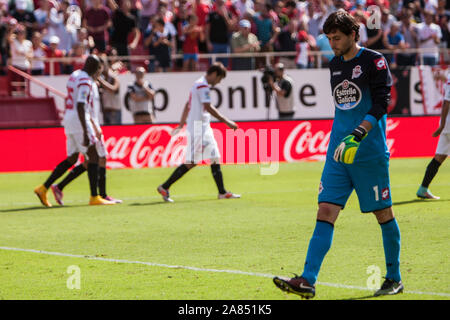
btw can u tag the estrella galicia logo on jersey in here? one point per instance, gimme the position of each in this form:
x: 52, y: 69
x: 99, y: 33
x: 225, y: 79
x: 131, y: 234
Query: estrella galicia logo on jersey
x: 347, y: 95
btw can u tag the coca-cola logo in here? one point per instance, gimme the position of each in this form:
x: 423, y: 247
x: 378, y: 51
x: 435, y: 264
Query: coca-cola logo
x: 153, y: 148
x: 302, y: 143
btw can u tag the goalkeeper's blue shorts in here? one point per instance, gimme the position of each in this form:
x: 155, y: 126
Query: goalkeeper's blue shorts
x: 369, y: 179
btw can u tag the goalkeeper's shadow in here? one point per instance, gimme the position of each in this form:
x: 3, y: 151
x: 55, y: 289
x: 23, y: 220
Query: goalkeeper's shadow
x: 399, y: 203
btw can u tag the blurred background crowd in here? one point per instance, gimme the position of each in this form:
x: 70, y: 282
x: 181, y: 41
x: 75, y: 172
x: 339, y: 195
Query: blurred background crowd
x: 169, y: 35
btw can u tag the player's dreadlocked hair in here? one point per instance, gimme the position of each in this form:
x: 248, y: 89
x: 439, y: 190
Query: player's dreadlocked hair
x: 341, y: 20
x: 218, y: 68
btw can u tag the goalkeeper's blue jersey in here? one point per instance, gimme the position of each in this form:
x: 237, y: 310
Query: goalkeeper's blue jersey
x: 353, y: 84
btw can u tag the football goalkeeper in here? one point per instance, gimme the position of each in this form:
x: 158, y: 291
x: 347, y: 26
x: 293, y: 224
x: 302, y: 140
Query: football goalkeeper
x: 357, y: 157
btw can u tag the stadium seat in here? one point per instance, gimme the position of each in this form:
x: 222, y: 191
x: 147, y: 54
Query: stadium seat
x: 28, y: 112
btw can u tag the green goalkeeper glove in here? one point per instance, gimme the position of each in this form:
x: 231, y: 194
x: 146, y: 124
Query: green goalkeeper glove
x: 346, y: 150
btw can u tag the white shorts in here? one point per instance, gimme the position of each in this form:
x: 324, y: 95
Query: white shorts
x: 443, y: 146
x: 202, y: 147
x: 74, y: 143
x: 101, y: 148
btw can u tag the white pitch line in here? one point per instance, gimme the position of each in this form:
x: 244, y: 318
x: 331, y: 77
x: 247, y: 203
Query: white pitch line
x: 162, y: 265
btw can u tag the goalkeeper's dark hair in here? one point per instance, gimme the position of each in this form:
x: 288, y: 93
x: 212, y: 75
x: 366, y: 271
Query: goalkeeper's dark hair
x: 218, y: 68
x: 343, y: 21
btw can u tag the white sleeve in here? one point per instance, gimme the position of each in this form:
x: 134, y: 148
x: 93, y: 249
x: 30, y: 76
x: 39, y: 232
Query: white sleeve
x: 204, y: 95
x: 447, y: 90
x: 84, y: 90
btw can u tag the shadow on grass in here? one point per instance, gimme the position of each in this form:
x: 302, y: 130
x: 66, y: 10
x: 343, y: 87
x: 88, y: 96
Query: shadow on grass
x: 428, y: 201
x: 361, y: 298
x: 160, y: 202
x: 31, y: 208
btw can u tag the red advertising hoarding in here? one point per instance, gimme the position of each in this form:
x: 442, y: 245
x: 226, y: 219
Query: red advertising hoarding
x: 138, y: 146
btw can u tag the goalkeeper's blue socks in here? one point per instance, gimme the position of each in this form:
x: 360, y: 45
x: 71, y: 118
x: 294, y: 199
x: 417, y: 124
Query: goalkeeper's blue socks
x: 391, y: 243
x: 319, y: 245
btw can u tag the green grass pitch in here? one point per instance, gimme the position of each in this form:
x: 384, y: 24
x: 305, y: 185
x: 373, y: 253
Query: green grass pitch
x: 203, y: 248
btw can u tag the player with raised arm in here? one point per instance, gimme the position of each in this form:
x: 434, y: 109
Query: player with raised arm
x: 357, y: 157
x: 80, y: 133
x: 442, y: 149
x: 201, y: 143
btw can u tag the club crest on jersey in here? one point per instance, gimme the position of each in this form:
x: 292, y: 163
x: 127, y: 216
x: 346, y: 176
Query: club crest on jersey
x: 347, y: 95
x: 380, y: 63
x: 356, y: 72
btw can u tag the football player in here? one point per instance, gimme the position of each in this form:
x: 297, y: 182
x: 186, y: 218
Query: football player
x: 357, y: 157
x: 201, y: 143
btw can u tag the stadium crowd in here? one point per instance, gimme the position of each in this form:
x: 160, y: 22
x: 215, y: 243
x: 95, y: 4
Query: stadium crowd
x: 31, y: 30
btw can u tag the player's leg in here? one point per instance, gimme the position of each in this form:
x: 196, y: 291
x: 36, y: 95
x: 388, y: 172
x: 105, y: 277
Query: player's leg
x: 61, y: 168
x: 102, y: 153
x: 180, y: 171
x: 372, y: 185
x: 391, y: 243
x: 218, y: 178
x: 92, y: 169
x: 102, y: 181
x: 334, y: 191
x: 442, y: 151
x: 57, y: 189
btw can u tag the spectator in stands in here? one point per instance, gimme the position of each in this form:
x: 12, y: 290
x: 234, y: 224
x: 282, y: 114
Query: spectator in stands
x: 7, y: 25
x: 394, y: 41
x: 244, y: 41
x: 317, y: 13
x: 66, y: 32
x: 282, y: 18
x: 42, y: 16
x: 52, y: 51
x: 429, y: 36
x: 219, y: 25
x: 242, y: 6
x: 266, y: 31
x: 375, y: 35
x: 149, y: 9
x: 323, y: 44
x: 192, y: 35
x: 86, y: 40
x: 359, y: 17
x: 287, y: 42
x: 115, y: 63
x: 408, y: 30
x: 110, y: 95
x: 37, y: 64
x: 124, y: 23
x: 387, y: 19
x: 290, y: 9
x: 305, y: 44
x: 443, y: 19
x: 139, y: 99
x: 21, y: 51
x: 25, y: 17
x: 160, y: 42
x: 97, y: 20
x: 79, y: 53
x: 180, y: 21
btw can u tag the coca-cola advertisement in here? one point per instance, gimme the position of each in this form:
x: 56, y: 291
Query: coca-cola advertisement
x: 140, y: 146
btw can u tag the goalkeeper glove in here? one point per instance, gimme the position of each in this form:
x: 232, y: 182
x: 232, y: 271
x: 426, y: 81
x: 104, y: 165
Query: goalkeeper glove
x: 346, y: 150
